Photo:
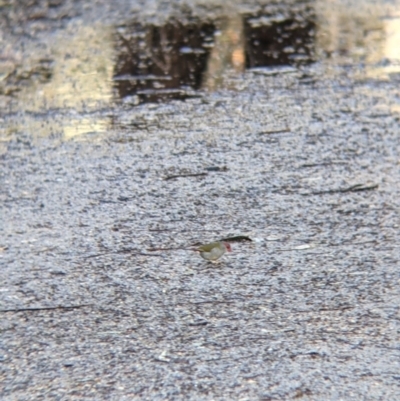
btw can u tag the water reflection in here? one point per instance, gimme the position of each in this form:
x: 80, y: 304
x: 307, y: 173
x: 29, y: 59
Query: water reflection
x: 360, y: 32
x: 155, y: 63
x: 280, y: 41
x: 54, y: 92
x: 228, y: 53
x: 78, y: 73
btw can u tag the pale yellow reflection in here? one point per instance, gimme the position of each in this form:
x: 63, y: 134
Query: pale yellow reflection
x: 82, y: 73
x: 65, y: 127
x: 80, y: 82
x: 366, y: 30
x: 392, y: 43
x: 85, y: 126
x: 228, y: 54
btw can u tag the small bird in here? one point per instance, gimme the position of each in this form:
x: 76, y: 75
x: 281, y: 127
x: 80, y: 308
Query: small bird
x: 214, y: 250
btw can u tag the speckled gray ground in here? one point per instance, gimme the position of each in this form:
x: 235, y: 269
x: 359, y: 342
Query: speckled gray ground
x: 309, y: 310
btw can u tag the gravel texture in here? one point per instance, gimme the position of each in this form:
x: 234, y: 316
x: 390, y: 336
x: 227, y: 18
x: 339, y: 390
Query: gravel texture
x: 99, y: 297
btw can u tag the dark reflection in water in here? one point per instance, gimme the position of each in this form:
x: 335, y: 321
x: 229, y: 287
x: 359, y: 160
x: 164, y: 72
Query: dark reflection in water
x: 287, y: 42
x: 157, y: 63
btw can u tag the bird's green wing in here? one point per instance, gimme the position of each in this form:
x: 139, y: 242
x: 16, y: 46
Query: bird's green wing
x: 208, y: 247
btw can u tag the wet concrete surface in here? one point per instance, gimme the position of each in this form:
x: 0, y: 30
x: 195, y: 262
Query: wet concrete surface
x: 302, y: 158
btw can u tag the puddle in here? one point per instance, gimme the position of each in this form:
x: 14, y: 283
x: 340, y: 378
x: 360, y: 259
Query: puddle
x: 177, y: 60
x: 66, y: 90
x: 158, y: 63
x: 279, y: 42
x: 87, y: 69
x: 173, y: 61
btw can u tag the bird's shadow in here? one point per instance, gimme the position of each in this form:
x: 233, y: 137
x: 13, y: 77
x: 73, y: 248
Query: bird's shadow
x: 218, y: 265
